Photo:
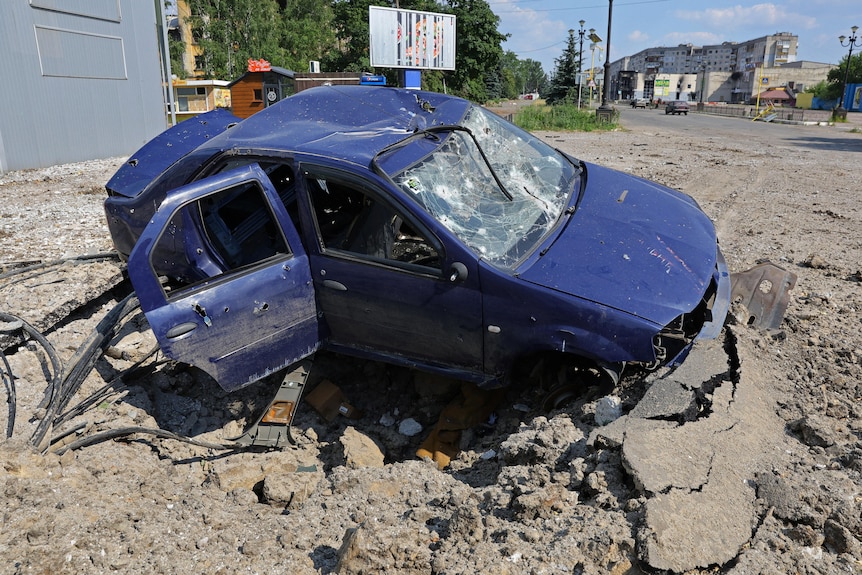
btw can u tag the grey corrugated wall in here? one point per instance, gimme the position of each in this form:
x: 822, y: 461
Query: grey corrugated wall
x: 81, y: 80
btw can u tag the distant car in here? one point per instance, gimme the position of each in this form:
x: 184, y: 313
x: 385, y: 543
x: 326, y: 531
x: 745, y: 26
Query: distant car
x: 676, y: 107
x: 410, y: 227
x: 640, y: 103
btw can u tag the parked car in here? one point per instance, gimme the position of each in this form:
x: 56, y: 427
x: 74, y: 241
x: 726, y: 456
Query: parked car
x: 409, y: 227
x: 640, y: 103
x: 676, y: 107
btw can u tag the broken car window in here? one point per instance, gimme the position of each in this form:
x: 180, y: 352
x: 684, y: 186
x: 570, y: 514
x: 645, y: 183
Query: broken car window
x: 457, y: 186
x: 224, y: 231
x: 352, y: 220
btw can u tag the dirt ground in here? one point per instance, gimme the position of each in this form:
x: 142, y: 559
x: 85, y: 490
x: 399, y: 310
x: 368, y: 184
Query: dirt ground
x: 531, y: 491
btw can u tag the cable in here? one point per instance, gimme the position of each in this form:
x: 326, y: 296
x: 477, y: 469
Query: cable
x: 82, y: 364
x: 102, y: 392
x: 9, y: 383
x: 56, y: 364
x: 125, y: 431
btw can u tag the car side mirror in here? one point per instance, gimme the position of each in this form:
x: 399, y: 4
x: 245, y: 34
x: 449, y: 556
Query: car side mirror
x: 457, y: 272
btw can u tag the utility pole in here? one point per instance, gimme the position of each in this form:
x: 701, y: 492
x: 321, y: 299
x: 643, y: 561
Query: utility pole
x: 605, y: 112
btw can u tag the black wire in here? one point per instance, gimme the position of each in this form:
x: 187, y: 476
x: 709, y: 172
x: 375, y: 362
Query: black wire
x: 102, y: 392
x: 9, y: 383
x: 82, y: 364
x: 56, y: 364
x: 125, y: 431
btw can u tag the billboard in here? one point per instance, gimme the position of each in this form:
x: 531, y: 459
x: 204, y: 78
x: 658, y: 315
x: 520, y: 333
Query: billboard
x: 411, y: 39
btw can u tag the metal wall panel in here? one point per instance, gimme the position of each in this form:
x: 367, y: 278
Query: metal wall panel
x: 82, y: 80
x: 104, y: 56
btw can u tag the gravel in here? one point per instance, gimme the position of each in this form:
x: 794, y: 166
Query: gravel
x: 532, y: 492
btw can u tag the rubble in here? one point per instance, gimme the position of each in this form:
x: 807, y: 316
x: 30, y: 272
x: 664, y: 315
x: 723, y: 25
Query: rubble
x: 745, y: 459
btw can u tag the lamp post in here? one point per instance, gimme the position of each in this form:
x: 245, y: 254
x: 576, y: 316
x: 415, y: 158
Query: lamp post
x: 840, y: 111
x: 580, y: 60
x: 595, y: 44
x: 605, y: 112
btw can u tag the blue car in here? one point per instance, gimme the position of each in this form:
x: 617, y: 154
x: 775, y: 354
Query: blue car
x: 409, y: 227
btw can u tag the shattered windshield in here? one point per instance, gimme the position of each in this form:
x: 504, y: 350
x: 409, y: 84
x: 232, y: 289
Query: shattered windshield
x: 458, y: 186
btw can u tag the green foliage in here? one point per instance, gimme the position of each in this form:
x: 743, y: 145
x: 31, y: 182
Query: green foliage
x: 230, y: 32
x: 835, y: 78
x: 306, y: 32
x: 565, y: 81
x: 478, y: 47
x: 564, y: 116
x: 817, y: 89
x: 521, y: 76
x: 335, y: 32
x: 176, y: 49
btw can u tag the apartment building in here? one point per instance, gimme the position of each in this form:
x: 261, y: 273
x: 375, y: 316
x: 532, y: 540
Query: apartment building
x: 683, y: 71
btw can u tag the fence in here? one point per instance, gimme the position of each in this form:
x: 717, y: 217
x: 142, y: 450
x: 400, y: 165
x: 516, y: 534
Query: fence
x: 749, y: 111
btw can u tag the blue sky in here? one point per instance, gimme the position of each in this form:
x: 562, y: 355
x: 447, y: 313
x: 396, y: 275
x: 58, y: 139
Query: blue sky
x: 539, y: 28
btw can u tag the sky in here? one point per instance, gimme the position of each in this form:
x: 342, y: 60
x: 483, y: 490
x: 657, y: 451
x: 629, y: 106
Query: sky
x: 538, y: 29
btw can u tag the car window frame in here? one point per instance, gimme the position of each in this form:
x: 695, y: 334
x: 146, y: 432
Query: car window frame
x: 368, y: 187
x: 190, y: 212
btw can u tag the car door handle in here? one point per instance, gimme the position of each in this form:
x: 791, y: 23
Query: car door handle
x: 332, y: 284
x: 181, y: 329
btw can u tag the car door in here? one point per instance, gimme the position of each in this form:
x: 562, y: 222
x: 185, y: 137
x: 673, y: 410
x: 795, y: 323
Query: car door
x: 243, y: 306
x: 379, y: 275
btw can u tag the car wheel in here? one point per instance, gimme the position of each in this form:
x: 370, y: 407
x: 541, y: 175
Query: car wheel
x: 567, y: 379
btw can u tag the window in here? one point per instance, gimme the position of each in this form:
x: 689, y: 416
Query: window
x: 258, y: 95
x: 223, y: 232
x: 350, y: 219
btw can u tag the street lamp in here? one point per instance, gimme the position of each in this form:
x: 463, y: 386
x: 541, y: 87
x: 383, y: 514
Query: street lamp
x: 580, y: 60
x: 595, y: 44
x: 605, y: 112
x: 840, y: 112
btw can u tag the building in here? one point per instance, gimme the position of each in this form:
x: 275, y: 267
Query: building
x: 193, y: 97
x: 724, y: 72
x: 87, y: 80
x: 261, y: 86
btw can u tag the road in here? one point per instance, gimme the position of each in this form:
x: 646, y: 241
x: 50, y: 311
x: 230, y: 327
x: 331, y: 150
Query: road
x: 837, y: 137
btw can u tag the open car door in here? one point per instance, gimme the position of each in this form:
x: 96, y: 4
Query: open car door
x: 240, y: 302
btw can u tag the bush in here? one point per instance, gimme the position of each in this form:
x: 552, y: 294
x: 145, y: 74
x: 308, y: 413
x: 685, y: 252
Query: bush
x: 565, y: 116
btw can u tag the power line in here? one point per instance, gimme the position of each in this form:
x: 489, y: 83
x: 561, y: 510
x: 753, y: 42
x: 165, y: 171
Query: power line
x: 570, y: 9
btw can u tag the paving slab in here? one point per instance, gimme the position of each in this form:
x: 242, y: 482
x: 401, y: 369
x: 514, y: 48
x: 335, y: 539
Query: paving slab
x: 697, y: 470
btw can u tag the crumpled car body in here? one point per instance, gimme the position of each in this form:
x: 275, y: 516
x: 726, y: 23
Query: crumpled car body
x: 408, y: 227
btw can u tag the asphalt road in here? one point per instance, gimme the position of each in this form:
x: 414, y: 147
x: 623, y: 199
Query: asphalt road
x: 838, y: 137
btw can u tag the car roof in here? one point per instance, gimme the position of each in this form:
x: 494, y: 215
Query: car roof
x: 349, y: 123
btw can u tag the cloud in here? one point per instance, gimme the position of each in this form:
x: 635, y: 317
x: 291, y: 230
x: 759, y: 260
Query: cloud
x: 533, y: 34
x: 638, y: 36
x: 696, y: 38
x: 744, y: 16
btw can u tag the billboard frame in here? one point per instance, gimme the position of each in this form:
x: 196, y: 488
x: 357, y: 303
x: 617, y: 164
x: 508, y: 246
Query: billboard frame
x: 411, y: 39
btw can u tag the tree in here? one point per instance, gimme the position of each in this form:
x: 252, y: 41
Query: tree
x: 527, y: 75
x: 835, y: 78
x: 478, y: 48
x: 565, y: 81
x: 229, y: 32
x: 350, y: 22
x: 307, y: 32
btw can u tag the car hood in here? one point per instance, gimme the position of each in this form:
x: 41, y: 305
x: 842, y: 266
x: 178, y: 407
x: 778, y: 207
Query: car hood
x: 632, y: 245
